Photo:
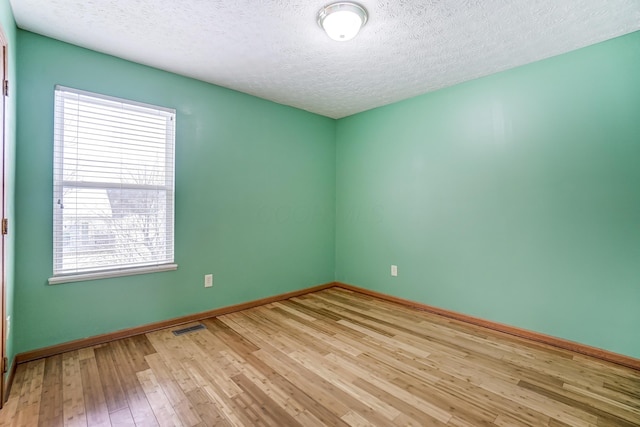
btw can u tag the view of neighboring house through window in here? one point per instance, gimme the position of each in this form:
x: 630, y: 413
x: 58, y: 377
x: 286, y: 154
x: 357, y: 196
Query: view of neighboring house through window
x: 113, y: 186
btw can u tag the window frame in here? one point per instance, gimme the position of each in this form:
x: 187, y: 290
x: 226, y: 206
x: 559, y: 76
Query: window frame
x: 60, y: 93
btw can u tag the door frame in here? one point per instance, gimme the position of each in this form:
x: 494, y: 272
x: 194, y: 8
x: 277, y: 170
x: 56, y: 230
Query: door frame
x: 3, y: 313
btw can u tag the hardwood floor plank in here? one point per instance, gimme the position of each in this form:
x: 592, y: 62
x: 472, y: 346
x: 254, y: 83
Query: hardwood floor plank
x: 282, y: 305
x: 173, y: 391
x: 268, y: 408
x: 307, y: 419
x: 428, y: 408
x: 322, y: 405
x: 28, y: 410
x: 630, y: 393
x: 345, y: 381
x: 115, y: 397
x: 51, y: 400
x: 355, y: 420
x: 205, y: 409
x: 330, y: 358
x: 206, y: 374
x: 295, y: 335
x: 465, y: 397
x: 135, y: 349
x: 406, y: 411
x: 232, y: 339
x: 387, y: 364
x: 8, y: 414
x: 250, y: 411
x: 122, y: 418
x: 344, y: 395
x: 504, y: 420
x: 125, y: 368
x: 468, y: 407
x: 297, y: 397
x: 466, y: 370
x: 73, y: 408
x: 170, y: 352
x: 620, y: 409
x: 589, y: 406
x: 234, y: 410
x: 265, y: 379
x: 549, y: 407
x: 162, y: 408
x: 94, y: 400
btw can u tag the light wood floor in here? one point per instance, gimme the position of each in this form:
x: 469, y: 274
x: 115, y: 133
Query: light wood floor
x: 330, y: 358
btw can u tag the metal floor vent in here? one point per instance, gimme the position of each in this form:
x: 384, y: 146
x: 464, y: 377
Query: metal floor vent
x: 189, y: 329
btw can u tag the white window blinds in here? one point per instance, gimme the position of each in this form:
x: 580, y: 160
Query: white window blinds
x: 113, y: 185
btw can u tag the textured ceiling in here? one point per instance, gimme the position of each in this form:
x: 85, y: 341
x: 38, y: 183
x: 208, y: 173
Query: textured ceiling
x: 274, y: 49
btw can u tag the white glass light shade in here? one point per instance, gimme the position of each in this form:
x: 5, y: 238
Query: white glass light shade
x: 342, y: 21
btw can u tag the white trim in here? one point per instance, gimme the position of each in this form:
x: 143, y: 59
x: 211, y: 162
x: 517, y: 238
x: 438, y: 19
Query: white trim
x: 56, y: 280
x: 58, y: 189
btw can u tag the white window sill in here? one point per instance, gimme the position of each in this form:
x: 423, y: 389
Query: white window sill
x: 81, y: 277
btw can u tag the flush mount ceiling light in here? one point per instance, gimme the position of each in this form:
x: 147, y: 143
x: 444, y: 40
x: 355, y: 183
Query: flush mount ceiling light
x: 342, y: 20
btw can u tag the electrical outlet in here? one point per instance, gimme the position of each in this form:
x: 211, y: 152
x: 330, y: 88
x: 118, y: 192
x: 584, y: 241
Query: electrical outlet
x: 394, y: 270
x: 208, y: 280
x: 8, y: 325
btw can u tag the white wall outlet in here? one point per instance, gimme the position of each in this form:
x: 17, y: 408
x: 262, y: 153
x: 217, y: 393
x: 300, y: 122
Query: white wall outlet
x: 394, y: 270
x: 208, y: 280
x: 8, y: 325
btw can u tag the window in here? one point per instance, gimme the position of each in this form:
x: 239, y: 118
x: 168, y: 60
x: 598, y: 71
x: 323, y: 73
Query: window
x: 113, y: 195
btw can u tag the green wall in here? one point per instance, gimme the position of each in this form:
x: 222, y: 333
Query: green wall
x: 9, y: 27
x: 255, y: 198
x: 514, y: 197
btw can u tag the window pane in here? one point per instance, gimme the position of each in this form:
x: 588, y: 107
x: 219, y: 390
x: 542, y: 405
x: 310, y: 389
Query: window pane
x: 107, y: 228
x: 102, y: 144
x: 113, y: 183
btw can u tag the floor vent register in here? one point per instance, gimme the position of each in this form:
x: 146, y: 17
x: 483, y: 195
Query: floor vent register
x: 188, y: 329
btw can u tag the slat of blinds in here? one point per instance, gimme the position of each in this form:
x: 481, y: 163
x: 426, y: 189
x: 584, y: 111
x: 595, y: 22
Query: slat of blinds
x: 117, y: 185
x: 95, y: 134
x: 108, y: 143
x: 133, y: 116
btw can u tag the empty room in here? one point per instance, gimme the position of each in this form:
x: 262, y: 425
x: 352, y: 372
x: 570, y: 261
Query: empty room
x: 314, y: 213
